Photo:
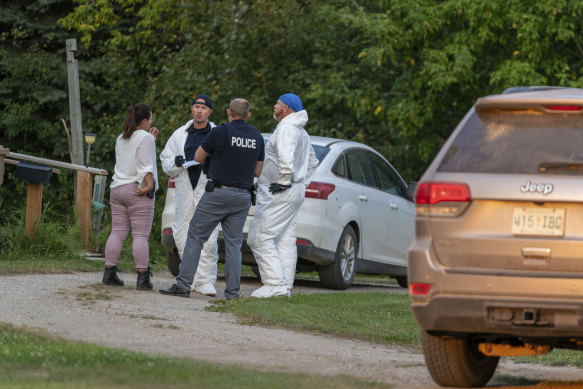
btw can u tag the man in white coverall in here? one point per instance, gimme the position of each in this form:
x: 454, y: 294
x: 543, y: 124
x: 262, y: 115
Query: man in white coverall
x: 190, y: 183
x: 290, y: 162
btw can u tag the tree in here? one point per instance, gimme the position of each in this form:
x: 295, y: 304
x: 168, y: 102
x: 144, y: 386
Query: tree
x: 429, y: 61
x: 33, y: 92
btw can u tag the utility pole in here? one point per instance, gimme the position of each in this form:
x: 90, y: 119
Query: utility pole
x: 74, y: 104
x: 83, y: 180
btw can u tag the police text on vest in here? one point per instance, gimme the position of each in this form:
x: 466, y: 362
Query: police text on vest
x: 243, y: 142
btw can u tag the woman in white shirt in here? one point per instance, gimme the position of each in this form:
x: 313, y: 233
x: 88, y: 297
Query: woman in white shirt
x: 132, y: 194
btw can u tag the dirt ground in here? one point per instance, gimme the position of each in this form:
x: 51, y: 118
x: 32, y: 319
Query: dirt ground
x: 75, y: 307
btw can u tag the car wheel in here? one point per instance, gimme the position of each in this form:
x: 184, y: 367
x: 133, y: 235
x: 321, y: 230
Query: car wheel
x: 173, y: 261
x: 340, y: 273
x: 457, y: 362
x: 255, y: 270
x: 402, y: 281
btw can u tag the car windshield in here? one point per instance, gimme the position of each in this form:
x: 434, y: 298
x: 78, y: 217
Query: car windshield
x: 523, y: 142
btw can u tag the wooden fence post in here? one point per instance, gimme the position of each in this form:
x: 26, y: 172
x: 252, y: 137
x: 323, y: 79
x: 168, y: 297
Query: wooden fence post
x: 34, y: 204
x: 83, y: 205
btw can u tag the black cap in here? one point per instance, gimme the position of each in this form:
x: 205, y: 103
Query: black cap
x: 207, y: 101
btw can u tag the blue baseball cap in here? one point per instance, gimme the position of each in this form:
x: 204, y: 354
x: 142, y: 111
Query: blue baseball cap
x: 207, y: 101
x: 292, y: 101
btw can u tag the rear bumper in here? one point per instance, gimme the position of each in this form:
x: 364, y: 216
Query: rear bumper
x: 494, y: 302
x: 316, y: 255
x: 509, y: 316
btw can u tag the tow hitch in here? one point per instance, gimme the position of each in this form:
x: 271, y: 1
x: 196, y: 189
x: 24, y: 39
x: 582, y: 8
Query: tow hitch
x: 530, y: 317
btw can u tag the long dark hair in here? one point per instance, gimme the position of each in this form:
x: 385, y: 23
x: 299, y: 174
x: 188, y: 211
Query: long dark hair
x: 134, y: 116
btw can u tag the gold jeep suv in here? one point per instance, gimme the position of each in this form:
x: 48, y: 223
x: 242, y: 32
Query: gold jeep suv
x: 496, y: 267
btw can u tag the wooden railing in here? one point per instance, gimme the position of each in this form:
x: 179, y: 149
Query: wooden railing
x: 83, y: 187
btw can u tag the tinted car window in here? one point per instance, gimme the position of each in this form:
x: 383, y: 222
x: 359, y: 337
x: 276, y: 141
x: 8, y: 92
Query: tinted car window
x: 320, y: 151
x: 523, y: 142
x: 387, y: 178
x: 339, y: 168
x: 359, y: 169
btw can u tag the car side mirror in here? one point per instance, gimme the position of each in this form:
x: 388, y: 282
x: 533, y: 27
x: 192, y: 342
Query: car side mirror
x: 411, y: 191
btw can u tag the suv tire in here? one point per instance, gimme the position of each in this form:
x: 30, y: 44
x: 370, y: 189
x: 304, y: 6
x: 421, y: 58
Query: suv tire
x: 173, y: 261
x: 340, y: 273
x: 456, y: 362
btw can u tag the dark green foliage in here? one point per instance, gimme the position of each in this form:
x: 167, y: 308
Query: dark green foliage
x: 398, y: 75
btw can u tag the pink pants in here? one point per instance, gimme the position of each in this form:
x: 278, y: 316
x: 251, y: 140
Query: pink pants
x: 129, y: 211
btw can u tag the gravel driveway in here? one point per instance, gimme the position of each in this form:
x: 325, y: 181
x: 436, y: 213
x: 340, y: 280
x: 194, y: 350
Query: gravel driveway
x: 76, y: 307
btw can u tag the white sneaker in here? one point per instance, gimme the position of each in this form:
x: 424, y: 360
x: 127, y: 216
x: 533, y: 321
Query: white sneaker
x: 206, y: 289
x: 267, y: 291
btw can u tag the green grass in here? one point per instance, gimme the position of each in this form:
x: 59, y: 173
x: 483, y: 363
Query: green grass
x: 557, y: 357
x: 56, y: 248
x: 376, y: 317
x: 33, y: 359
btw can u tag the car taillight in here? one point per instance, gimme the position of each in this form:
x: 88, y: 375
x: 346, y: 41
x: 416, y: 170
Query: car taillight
x: 303, y: 242
x: 319, y: 190
x: 563, y: 107
x: 448, y: 199
x: 167, y: 231
x: 419, y: 289
x: 171, y: 183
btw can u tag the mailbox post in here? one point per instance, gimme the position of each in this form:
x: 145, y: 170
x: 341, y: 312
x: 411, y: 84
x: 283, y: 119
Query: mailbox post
x: 82, y: 189
x: 36, y: 175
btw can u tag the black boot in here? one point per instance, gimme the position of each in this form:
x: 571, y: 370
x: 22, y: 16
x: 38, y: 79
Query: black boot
x: 110, y: 276
x: 143, y: 282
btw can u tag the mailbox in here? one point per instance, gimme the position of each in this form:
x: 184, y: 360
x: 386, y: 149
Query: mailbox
x: 31, y: 172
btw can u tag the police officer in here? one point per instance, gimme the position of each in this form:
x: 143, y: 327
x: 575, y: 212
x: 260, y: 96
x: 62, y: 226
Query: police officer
x: 237, y: 152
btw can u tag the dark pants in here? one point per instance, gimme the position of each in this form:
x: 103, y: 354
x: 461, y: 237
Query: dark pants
x: 230, y: 208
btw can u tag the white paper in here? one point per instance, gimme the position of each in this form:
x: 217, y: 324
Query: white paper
x: 188, y: 164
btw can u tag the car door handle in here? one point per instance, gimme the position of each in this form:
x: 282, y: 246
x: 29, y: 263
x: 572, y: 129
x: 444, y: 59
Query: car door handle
x: 363, y: 198
x: 394, y: 206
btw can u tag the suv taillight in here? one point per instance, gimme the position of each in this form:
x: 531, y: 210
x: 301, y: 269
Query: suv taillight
x: 563, y: 107
x: 319, y: 190
x: 171, y: 183
x: 419, y: 289
x: 448, y: 199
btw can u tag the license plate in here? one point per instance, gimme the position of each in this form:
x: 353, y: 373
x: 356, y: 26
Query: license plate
x: 538, y: 221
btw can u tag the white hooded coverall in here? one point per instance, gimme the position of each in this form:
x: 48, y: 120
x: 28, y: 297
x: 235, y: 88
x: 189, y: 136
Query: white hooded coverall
x: 185, y: 203
x: 289, y: 159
